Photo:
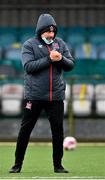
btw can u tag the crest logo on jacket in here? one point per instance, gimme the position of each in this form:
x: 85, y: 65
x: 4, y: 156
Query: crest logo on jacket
x: 29, y: 105
x: 40, y: 46
x: 55, y: 46
x: 51, y: 28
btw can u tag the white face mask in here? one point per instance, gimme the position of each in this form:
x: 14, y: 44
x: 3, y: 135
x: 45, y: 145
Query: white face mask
x: 47, y: 41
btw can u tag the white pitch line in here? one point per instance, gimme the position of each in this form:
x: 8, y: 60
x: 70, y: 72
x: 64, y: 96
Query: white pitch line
x: 53, y: 178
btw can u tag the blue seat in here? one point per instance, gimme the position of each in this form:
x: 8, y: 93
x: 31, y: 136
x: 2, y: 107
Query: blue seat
x: 97, y: 39
x: 85, y: 51
x: 96, y: 35
x: 7, y: 39
x: 13, y: 52
x: 101, y: 52
x: 75, y: 36
x: 8, y: 36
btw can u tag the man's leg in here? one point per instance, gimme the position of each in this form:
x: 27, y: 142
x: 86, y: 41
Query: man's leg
x: 31, y: 113
x: 55, y: 112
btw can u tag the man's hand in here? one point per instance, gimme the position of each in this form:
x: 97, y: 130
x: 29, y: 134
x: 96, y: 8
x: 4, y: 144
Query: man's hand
x: 55, y: 55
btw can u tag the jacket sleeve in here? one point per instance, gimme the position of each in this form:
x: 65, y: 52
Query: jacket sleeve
x: 67, y: 63
x: 29, y: 62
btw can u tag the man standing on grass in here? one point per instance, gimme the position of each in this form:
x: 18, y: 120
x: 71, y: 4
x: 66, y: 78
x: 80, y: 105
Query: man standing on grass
x: 43, y: 58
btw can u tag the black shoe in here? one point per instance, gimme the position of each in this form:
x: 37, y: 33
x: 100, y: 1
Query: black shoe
x: 60, y: 169
x: 15, y: 169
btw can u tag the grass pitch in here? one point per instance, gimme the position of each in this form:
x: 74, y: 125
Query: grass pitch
x: 85, y: 162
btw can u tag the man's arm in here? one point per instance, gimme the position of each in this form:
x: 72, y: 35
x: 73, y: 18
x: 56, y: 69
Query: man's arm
x: 28, y: 59
x: 67, y: 61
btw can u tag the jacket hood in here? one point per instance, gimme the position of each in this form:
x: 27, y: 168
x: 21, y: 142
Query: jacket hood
x: 44, y: 21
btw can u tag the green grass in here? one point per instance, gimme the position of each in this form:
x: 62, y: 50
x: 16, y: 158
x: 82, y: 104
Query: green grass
x: 85, y: 161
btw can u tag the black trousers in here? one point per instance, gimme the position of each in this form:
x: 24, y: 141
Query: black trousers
x: 32, y: 110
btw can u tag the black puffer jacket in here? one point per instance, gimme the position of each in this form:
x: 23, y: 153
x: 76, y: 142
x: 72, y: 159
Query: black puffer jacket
x: 43, y: 78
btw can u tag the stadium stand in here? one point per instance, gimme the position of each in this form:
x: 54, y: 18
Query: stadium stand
x: 87, y: 45
x: 85, y: 42
x: 82, y: 26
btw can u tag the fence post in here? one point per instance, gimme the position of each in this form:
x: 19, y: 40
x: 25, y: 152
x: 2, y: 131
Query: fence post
x: 71, y: 120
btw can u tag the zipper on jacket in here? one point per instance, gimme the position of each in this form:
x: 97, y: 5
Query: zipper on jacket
x: 50, y: 75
